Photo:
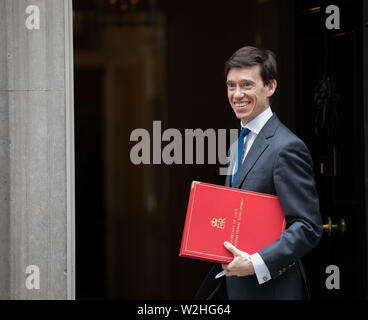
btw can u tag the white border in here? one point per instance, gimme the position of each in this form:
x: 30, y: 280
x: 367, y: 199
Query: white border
x: 69, y: 126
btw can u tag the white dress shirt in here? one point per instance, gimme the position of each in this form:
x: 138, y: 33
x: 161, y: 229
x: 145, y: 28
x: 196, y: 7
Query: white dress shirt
x: 255, y: 126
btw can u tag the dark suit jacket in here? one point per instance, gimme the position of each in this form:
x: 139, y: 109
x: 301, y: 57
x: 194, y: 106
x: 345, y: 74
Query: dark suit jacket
x: 278, y: 163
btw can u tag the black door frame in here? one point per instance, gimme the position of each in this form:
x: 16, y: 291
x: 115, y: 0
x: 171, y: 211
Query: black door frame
x: 365, y: 99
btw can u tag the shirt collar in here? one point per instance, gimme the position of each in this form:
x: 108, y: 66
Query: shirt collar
x: 258, y: 122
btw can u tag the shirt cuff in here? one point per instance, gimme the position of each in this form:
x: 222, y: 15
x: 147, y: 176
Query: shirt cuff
x: 260, y: 268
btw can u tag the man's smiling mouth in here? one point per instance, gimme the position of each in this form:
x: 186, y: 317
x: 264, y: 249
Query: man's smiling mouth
x: 241, y: 104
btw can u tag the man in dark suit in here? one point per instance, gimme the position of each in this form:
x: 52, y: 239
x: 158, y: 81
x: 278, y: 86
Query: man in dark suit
x: 275, y: 161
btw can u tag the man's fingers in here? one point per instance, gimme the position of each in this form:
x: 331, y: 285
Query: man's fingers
x: 235, y: 251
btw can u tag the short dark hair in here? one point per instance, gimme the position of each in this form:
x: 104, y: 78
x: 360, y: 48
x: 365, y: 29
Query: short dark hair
x: 252, y: 56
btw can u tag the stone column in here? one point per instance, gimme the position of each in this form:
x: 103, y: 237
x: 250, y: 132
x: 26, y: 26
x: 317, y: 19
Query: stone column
x: 36, y: 150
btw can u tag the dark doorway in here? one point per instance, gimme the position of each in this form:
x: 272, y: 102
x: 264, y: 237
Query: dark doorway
x: 89, y: 192
x: 163, y: 60
x: 331, y: 121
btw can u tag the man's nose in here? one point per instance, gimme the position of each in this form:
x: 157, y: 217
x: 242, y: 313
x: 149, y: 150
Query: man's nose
x: 238, y: 93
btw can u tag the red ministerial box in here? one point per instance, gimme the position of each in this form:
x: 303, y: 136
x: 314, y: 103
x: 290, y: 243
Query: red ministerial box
x: 249, y: 220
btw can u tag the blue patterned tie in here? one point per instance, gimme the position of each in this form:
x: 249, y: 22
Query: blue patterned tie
x: 243, y: 133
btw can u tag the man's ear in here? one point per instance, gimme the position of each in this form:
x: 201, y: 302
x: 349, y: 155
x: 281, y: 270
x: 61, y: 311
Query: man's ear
x: 271, y: 87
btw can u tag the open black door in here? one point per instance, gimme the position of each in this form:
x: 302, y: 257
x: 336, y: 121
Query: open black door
x: 330, y: 82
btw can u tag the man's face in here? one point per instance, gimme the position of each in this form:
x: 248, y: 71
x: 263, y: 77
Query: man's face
x: 248, y: 96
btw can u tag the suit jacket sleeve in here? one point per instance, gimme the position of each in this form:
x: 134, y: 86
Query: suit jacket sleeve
x: 295, y: 187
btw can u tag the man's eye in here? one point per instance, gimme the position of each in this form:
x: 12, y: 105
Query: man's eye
x: 246, y: 85
x: 230, y: 85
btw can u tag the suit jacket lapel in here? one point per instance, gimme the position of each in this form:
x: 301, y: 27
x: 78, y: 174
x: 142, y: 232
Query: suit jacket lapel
x: 260, y: 144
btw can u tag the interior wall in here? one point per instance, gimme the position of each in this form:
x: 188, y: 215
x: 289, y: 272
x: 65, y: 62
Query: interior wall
x: 132, y: 61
